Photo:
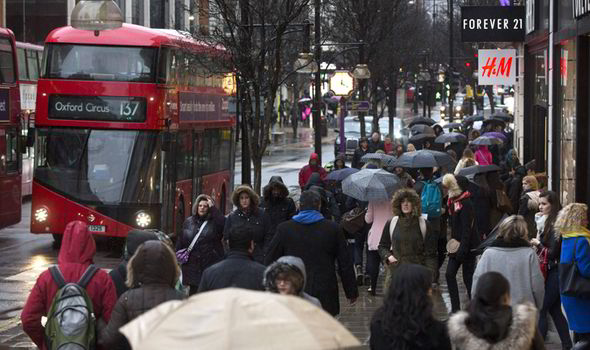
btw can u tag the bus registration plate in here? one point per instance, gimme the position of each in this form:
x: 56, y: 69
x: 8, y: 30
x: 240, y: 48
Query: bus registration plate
x: 97, y: 228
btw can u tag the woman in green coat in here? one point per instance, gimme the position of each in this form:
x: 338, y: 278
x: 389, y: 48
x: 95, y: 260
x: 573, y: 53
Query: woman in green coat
x: 406, y: 237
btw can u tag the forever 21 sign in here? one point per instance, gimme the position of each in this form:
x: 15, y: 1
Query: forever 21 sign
x: 101, y: 108
x: 492, y: 23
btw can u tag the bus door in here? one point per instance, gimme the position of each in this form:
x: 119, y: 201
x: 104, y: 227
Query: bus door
x: 10, y: 180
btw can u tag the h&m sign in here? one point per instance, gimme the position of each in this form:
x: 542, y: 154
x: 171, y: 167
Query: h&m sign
x: 496, y: 67
x: 580, y: 7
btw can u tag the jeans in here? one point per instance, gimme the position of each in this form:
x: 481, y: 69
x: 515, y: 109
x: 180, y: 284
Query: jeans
x: 468, y: 267
x: 359, y: 245
x: 552, y: 305
x: 373, y: 262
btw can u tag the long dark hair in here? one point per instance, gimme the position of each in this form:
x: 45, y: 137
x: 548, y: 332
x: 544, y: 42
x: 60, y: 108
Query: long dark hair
x: 489, y: 318
x: 406, y: 314
x: 553, y: 199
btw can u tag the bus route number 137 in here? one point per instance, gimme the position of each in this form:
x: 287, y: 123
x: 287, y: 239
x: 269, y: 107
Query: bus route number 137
x: 129, y: 109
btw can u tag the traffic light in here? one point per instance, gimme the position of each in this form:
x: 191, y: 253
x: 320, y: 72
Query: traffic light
x: 467, y: 64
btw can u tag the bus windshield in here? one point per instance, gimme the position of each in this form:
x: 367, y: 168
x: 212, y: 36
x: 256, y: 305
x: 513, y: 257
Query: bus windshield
x: 6, y: 62
x: 97, y: 167
x: 108, y: 63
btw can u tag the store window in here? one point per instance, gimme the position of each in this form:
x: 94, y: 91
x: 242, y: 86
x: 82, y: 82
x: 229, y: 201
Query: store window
x: 565, y: 15
x: 567, y: 109
x: 541, y: 86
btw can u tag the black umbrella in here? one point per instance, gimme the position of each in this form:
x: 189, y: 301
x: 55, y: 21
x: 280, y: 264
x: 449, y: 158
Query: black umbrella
x: 494, y: 122
x: 422, y: 121
x: 422, y: 137
x: 424, y: 159
x: 382, y: 157
x: 478, y: 169
x: 339, y: 175
x: 371, y: 185
x: 451, y: 137
x: 473, y: 118
x: 502, y: 116
x: 422, y: 129
x: 486, y: 141
x: 452, y: 126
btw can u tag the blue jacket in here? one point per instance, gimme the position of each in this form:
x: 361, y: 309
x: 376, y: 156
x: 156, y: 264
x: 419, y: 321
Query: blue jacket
x: 577, y: 309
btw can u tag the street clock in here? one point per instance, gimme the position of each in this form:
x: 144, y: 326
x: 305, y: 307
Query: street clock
x: 342, y: 83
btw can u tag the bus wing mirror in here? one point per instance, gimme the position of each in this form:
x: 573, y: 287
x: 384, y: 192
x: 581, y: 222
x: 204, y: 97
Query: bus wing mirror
x: 30, y: 141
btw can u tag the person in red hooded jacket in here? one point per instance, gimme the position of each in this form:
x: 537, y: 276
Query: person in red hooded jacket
x: 76, y: 254
x: 314, y: 166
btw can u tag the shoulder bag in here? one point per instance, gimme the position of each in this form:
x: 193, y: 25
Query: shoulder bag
x: 183, y: 254
x: 571, y: 282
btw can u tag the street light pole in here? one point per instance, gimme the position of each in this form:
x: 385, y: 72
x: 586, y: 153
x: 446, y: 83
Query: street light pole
x: 317, y: 123
x: 451, y: 69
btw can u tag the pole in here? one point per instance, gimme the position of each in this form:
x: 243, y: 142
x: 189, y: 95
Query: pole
x: 317, y: 122
x: 363, y: 95
x: 244, y: 39
x: 451, y: 69
x: 342, y: 137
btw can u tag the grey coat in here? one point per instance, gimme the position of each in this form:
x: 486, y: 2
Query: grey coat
x: 520, y: 266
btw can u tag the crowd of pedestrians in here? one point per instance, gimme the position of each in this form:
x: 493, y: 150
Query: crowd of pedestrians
x: 521, y: 255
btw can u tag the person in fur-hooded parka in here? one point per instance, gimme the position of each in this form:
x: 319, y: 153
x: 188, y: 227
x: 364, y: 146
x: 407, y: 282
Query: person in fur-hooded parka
x: 208, y: 249
x: 248, y: 213
x: 411, y: 236
x: 277, y: 203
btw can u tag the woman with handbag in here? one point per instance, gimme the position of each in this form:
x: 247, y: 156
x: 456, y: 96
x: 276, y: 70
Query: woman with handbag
x: 200, y: 245
x: 549, y: 248
x: 574, y: 268
x: 464, y: 236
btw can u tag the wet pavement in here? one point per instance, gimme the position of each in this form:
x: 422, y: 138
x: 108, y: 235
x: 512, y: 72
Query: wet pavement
x: 23, y: 256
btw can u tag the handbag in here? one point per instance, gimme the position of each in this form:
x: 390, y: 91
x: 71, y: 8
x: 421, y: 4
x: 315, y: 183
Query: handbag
x: 183, y: 254
x: 453, y: 246
x: 354, y: 220
x: 571, y: 282
x: 503, y: 202
x: 544, y: 261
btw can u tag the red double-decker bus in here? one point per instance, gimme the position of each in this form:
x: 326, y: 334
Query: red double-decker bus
x: 131, y: 125
x: 10, y: 162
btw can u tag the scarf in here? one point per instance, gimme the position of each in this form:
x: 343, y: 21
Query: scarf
x: 454, y: 204
x: 540, y: 220
x: 307, y: 217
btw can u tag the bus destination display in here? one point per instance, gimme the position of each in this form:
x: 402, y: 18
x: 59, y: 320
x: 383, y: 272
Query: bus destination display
x: 101, y: 108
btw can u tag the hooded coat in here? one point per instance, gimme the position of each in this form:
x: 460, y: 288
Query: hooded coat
x: 514, y: 187
x: 256, y: 219
x: 75, y: 255
x: 306, y: 171
x: 288, y: 264
x: 320, y: 243
x: 208, y: 249
x: 134, y: 239
x: 278, y: 209
x: 154, y: 274
x: 483, y: 156
x: 330, y: 209
x: 520, y: 336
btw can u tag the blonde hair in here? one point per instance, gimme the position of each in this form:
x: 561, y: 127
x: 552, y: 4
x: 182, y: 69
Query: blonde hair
x: 411, y: 147
x: 532, y: 181
x: 571, y: 218
x: 450, y: 183
x: 513, y: 228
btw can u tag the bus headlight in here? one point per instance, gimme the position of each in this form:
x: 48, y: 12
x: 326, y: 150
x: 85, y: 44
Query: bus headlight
x: 143, y: 219
x: 458, y: 108
x: 443, y: 108
x: 41, y: 214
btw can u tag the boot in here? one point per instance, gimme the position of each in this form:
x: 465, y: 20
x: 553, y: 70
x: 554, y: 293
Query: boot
x: 358, y: 270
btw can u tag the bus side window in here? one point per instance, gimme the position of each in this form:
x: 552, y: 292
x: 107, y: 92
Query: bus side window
x: 32, y: 64
x: 12, y: 154
x: 22, y: 64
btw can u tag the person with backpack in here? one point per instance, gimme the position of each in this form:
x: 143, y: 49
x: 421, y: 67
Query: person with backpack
x: 152, y: 273
x: 406, y: 237
x: 431, y: 199
x: 74, y: 278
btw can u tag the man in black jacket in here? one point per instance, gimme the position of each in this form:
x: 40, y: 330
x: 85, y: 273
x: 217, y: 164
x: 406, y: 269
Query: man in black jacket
x: 319, y: 243
x: 239, y: 268
x: 360, y: 152
x: 375, y: 143
x: 276, y: 202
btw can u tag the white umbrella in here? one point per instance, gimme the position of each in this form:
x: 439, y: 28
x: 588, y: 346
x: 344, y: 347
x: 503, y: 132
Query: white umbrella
x: 238, y: 319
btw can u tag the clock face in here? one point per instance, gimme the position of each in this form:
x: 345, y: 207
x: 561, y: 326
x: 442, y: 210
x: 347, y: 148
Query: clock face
x: 342, y: 83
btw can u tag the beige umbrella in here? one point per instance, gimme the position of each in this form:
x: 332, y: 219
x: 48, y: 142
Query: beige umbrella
x: 238, y: 319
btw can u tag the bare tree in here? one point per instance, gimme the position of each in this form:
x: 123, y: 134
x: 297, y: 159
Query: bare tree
x: 255, y: 34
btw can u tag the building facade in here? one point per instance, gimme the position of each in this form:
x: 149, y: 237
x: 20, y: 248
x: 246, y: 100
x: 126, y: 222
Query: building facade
x: 556, y: 116
x: 32, y: 20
